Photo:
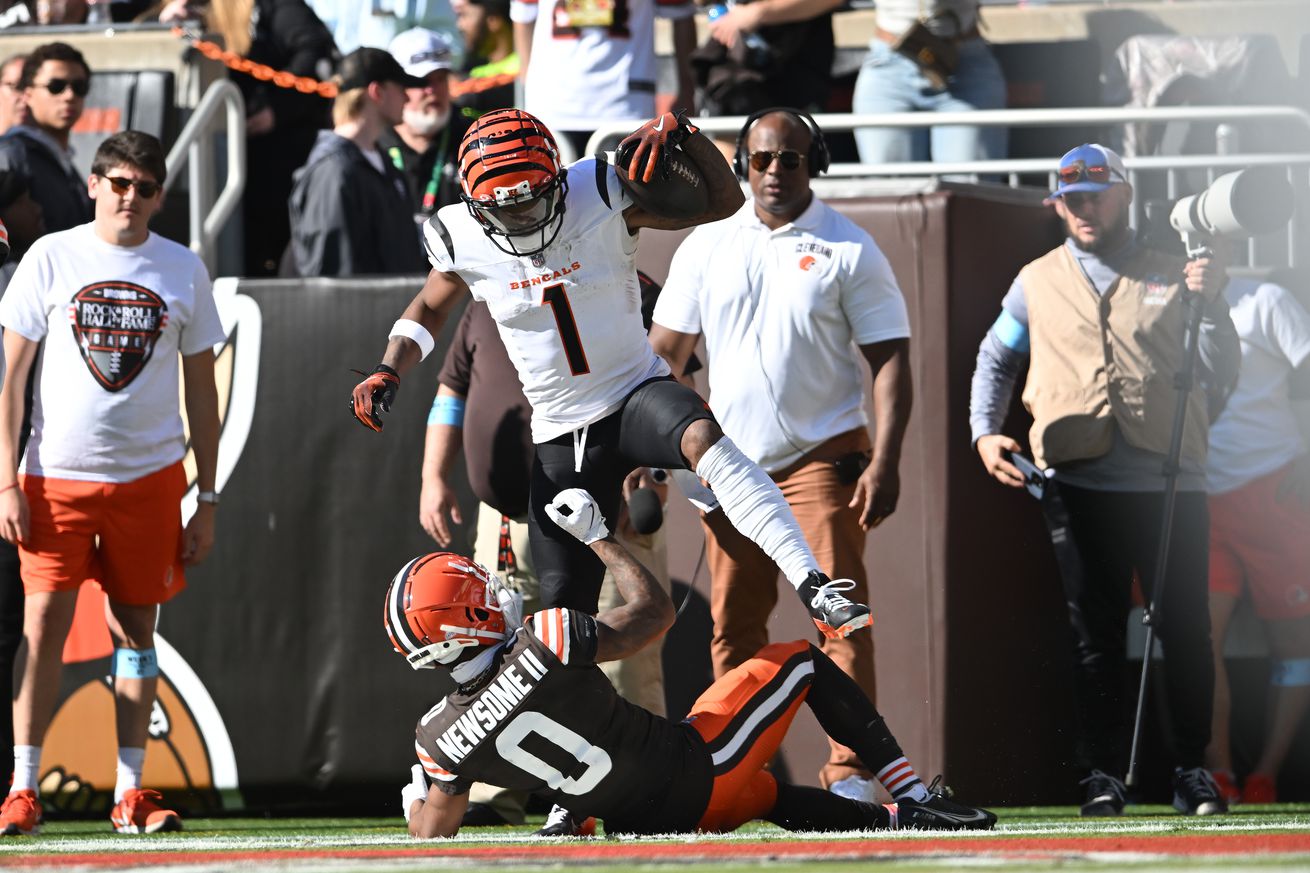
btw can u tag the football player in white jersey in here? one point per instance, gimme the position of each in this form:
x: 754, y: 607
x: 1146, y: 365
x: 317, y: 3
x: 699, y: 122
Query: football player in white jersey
x: 551, y: 250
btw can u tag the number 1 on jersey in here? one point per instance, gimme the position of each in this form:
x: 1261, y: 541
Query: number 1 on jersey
x: 558, y: 300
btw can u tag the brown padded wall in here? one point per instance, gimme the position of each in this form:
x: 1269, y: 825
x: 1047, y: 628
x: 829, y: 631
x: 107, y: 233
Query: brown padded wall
x: 969, y: 623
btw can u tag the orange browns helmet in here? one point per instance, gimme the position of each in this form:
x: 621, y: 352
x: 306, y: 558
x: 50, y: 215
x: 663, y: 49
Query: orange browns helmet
x: 512, y: 181
x: 437, y: 606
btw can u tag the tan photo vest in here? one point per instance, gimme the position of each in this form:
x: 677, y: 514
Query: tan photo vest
x: 1098, y: 362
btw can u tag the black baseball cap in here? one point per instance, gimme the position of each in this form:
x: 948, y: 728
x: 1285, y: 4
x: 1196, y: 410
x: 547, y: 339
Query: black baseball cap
x: 364, y: 66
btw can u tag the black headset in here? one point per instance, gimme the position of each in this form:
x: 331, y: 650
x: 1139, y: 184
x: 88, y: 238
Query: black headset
x: 816, y: 161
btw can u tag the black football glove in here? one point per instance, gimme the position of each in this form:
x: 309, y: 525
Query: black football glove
x: 374, y: 396
x: 645, y: 147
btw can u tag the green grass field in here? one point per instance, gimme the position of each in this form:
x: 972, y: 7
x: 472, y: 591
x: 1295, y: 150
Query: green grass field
x: 1273, y: 838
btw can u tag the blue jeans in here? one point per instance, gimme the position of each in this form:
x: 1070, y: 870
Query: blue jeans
x: 891, y: 82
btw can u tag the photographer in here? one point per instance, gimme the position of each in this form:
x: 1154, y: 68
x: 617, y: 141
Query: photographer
x: 1100, y: 322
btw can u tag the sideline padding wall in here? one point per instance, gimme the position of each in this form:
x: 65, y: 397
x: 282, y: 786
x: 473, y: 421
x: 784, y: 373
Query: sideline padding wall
x: 968, y: 618
x: 320, y: 513
x: 282, y: 689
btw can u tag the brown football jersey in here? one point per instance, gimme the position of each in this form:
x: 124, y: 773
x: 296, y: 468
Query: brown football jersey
x: 550, y: 722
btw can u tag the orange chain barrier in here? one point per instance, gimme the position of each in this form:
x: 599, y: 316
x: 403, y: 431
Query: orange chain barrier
x: 262, y: 72
x: 304, y: 84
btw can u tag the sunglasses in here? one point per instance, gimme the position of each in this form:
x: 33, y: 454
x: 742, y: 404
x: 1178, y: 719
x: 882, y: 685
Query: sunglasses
x: 1079, y: 170
x: 790, y: 159
x: 145, y: 189
x: 57, y: 86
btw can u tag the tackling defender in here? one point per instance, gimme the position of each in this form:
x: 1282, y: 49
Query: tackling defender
x: 532, y: 711
x: 551, y: 250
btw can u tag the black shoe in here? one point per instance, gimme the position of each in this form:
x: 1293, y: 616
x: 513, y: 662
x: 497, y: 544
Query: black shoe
x: 835, y: 615
x: 939, y: 813
x: 480, y: 815
x: 1105, y: 795
x: 1195, y: 792
x: 561, y: 823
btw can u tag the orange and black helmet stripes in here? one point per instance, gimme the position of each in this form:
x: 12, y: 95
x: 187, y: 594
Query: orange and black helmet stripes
x: 512, y: 181
x: 502, y: 150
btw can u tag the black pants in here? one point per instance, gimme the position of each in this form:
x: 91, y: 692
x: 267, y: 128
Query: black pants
x: 1100, y: 539
x: 645, y: 432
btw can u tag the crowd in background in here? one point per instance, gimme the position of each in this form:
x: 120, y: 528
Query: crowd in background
x: 579, y: 66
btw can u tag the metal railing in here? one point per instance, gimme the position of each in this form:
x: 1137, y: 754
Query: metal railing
x: 731, y: 124
x: 194, y: 149
x: 1164, y: 177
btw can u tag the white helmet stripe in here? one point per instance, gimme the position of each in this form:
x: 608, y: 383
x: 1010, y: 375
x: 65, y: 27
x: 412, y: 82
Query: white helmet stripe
x: 396, y: 610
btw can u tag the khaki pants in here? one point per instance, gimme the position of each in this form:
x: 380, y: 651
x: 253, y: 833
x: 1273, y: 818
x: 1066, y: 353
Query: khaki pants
x: 744, y: 580
x: 638, y: 678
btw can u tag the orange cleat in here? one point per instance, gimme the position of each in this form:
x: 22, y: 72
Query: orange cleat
x: 1227, y: 787
x: 1259, y: 788
x: 138, y: 813
x: 21, y: 814
x: 835, y: 615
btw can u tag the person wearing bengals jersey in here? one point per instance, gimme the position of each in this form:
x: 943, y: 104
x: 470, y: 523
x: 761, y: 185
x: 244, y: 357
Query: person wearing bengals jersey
x: 551, y: 250
x: 531, y: 710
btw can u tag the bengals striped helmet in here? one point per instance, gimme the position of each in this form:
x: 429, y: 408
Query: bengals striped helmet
x: 437, y: 606
x: 512, y: 181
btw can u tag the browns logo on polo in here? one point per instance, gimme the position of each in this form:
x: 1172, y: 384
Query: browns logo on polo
x: 116, y: 325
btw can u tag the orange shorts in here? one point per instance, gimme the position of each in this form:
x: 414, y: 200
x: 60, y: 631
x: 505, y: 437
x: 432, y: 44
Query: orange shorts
x: 126, y: 536
x: 1261, y: 541
x: 743, y: 718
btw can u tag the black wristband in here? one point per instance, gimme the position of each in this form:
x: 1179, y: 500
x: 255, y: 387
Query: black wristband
x: 383, y: 368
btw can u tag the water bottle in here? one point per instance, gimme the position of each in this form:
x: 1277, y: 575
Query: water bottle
x: 97, y: 12
x: 757, y: 47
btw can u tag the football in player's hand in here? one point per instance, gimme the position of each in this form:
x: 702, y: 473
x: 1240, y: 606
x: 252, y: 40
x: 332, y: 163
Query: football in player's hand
x: 677, y: 188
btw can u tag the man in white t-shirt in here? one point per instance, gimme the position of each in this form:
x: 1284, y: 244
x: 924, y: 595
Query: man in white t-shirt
x: 1258, y: 476
x: 588, y: 62
x: 790, y: 295
x: 103, y: 310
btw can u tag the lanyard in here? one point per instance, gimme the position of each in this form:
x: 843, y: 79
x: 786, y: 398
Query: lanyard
x: 430, y: 193
x: 438, y: 165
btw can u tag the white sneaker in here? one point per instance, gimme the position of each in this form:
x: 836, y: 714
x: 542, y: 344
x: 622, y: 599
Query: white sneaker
x: 855, y: 788
x: 561, y: 823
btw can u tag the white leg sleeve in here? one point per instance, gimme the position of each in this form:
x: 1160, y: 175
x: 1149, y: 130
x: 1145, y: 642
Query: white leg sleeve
x: 756, y: 507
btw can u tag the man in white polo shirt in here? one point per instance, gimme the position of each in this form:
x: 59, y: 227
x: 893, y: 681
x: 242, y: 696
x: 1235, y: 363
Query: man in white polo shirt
x: 785, y: 292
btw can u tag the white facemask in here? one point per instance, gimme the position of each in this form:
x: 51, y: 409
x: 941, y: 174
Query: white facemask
x: 427, y: 123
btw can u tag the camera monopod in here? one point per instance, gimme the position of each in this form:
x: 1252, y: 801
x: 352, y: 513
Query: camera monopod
x: 1246, y: 203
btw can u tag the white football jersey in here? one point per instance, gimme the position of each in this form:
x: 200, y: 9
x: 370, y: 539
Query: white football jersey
x: 570, y: 316
x: 579, y: 75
